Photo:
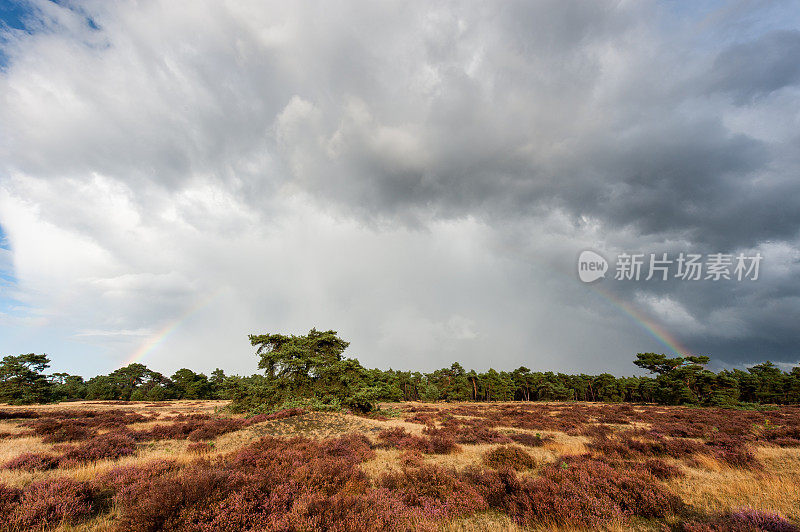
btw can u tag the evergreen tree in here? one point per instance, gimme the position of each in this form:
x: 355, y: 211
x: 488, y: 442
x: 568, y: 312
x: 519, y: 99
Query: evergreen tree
x: 312, y: 366
x: 190, y: 385
x: 22, y: 380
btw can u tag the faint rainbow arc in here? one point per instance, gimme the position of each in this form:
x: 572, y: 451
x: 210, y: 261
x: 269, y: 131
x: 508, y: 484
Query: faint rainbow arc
x: 638, y: 317
x: 159, y: 336
x: 644, y: 322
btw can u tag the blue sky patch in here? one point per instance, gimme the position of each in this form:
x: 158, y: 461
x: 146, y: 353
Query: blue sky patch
x: 3, y: 239
x: 20, y: 15
x: 13, y: 14
x: 7, y: 279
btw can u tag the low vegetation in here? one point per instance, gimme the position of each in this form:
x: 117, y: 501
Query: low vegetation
x: 509, y: 456
x: 188, y: 465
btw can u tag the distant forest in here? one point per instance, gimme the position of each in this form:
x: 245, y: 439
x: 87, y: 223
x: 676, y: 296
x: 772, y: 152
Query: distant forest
x: 311, y: 370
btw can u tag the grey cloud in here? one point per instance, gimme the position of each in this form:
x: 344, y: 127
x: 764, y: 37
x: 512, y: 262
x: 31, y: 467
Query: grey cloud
x: 245, y: 145
x: 757, y: 68
x: 505, y: 139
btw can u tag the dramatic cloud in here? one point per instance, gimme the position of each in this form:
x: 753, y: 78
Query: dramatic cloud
x: 176, y: 175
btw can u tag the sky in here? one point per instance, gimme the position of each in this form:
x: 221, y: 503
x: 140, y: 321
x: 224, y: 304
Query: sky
x: 421, y: 177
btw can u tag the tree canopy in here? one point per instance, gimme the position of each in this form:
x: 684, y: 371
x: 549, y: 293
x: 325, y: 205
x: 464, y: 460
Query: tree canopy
x: 312, y: 367
x: 22, y: 380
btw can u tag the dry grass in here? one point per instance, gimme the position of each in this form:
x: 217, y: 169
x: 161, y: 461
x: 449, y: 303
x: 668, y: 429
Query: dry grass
x: 709, y: 486
x: 13, y: 447
x: 716, y: 488
x: 166, y: 450
x: 564, y: 445
x: 102, y: 523
x: 184, y: 406
x: 705, y: 462
x: 314, y: 425
x: 614, y: 526
x: 385, y: 461
x: 10, y: 427
x: 483, y: 521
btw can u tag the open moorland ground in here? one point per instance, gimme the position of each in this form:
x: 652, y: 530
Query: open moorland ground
x: 189, y: 465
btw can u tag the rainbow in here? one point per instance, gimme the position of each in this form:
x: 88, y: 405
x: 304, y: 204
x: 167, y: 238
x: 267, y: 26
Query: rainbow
x: 159, y: 336
x: 644, y: 322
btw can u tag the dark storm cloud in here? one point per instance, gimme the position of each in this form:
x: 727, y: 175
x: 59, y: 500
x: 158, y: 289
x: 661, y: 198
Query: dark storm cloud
x: 697, y: 181
x: 516, y: 126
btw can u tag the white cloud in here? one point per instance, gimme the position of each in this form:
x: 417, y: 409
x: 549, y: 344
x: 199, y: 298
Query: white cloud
x: 121, y: 332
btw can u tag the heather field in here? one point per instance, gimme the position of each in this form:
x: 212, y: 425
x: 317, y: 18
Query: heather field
x: 189, y: 465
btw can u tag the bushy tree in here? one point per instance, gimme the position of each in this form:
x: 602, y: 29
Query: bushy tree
x: 134, y: 382
x: 680, y: 380
x: 311, y: 365
x: 22, y: 380
x: 770, y: 383
x: 190, y: 385
x: 101, y: 387
x: 793, y: 386
x: 68, y: 387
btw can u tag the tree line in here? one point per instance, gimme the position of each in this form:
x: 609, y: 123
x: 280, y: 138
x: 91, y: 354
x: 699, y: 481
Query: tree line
x: 312, y: 367
x: 23, y: 381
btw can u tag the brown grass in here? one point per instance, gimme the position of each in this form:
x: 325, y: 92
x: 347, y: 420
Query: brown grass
x: 564, y: 445
x: 719, y: 488
x: 13, y: 447
x: 710, y: 485
x: 483, y: 521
